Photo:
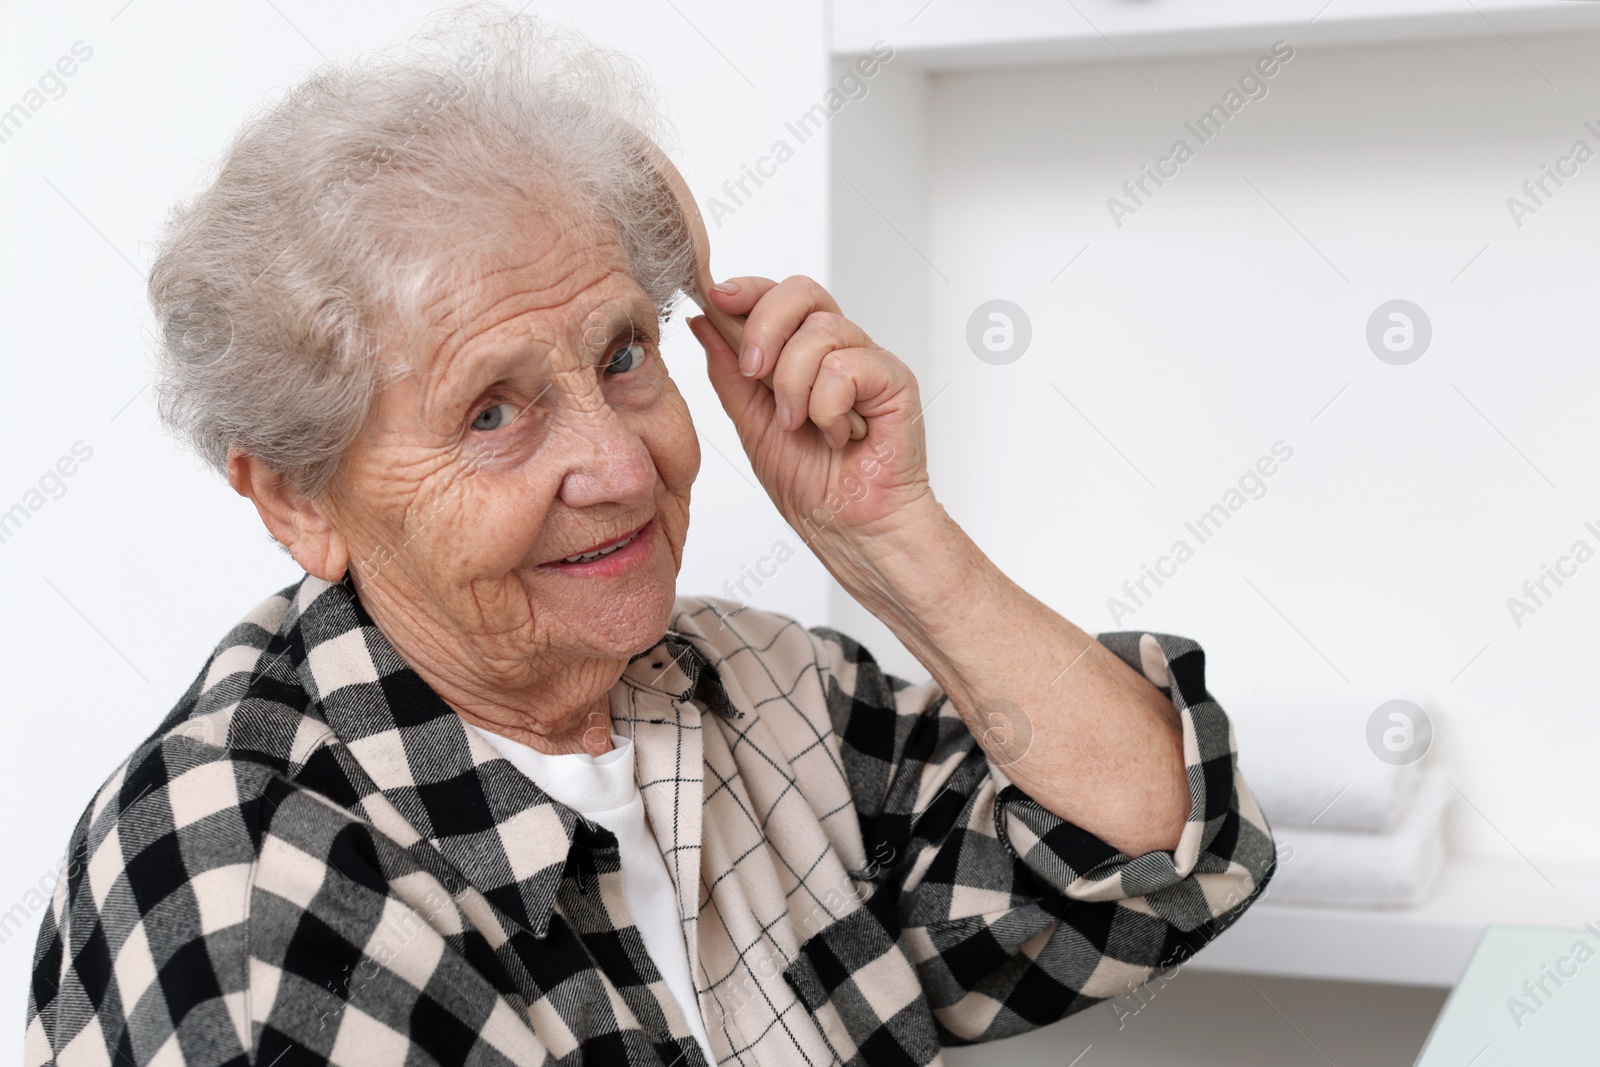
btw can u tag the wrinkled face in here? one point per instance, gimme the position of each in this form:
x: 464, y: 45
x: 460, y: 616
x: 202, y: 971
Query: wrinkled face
x: 539, y: 423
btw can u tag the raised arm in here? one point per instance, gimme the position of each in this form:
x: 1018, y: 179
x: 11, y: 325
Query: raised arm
x: 1083, y: 733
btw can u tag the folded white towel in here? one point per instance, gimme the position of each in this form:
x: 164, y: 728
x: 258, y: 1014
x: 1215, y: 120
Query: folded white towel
x: 1397, y: 868
x: 1316, y: 770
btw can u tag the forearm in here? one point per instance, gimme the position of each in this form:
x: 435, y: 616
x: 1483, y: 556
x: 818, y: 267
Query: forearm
x: 1073, y: 726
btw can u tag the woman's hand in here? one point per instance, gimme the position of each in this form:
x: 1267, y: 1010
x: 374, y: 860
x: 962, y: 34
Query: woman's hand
x: 1076, y: 728
x: 823, y: 365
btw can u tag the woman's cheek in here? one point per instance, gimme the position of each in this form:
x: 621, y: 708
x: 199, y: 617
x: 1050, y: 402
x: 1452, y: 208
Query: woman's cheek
x: 674, y: 443
x: 523, y: 508
x: 485, y: 525
x: 688, y: 452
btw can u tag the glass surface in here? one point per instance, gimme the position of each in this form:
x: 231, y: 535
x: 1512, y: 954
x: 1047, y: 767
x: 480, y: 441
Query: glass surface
x: 1530, y: 995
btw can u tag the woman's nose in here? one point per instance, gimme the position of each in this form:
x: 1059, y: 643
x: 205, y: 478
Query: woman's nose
x: 606, y: 462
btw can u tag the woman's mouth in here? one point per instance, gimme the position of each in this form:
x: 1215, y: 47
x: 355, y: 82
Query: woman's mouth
x: 613, y: 557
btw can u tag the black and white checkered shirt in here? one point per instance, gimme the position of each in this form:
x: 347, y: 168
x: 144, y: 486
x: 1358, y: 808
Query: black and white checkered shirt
x: 314, y: 860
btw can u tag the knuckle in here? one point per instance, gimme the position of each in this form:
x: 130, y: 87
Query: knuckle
x: 831, y: 328
x: 812, y: 288
x: 829, y: 324
x: 835, y: 363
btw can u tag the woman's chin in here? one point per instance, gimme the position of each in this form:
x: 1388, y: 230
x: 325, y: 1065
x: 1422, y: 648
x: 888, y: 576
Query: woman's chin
x: 631, y: 622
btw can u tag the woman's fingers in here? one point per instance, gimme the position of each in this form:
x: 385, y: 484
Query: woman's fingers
x: 820, y: 363
x: 844, y: 375
x: 802, y: 359
x: 775, y: 311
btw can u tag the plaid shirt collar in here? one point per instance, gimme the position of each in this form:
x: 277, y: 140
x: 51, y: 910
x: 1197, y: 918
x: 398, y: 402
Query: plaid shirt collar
x: 457, y: 793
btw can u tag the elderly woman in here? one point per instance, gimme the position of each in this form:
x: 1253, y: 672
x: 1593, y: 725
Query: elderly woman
x: 481, y: 786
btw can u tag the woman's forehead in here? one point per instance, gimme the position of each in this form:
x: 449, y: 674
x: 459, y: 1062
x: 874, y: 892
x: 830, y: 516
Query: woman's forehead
x: 537, y: 319
x: 533, y: 280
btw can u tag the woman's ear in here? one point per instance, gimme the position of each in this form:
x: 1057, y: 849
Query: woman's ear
x: 296, y: 521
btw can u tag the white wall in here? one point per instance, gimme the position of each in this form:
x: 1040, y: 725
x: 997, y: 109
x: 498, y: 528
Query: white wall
x: 1220, y: 318
x: 115, y: 593
x: 1226, y: 315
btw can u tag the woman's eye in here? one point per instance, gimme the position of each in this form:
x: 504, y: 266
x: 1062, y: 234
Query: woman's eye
x: 495, y: 417
x: 635, y: 352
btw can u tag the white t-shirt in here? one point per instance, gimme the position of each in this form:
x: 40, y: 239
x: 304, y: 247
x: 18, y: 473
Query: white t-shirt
x: 602, y: 788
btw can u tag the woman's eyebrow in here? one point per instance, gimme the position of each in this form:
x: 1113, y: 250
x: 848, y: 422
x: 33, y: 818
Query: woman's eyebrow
x: 464, y: 378
x: 478, y: 370
x: 636, y: 315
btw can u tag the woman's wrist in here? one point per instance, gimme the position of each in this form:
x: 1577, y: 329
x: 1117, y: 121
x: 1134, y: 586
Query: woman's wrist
x: 917, y: 577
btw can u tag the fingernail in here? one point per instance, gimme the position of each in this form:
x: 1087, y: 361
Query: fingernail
x: 750, y: 361
x: 726, y: 287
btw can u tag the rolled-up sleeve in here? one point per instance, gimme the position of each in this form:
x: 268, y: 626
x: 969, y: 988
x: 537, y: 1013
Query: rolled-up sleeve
x: 1014, y: 916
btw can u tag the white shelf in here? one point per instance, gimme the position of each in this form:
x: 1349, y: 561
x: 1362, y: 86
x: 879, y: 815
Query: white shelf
x: 962, y: 34
x: 1427, y: 945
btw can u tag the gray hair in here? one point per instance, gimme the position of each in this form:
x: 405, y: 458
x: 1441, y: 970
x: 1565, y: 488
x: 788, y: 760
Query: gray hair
x: 286, y: 289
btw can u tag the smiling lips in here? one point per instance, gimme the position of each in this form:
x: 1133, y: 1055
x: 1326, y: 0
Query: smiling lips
x: 605, y: 548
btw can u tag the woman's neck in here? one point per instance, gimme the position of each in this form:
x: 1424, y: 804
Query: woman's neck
x: 587, y: 731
